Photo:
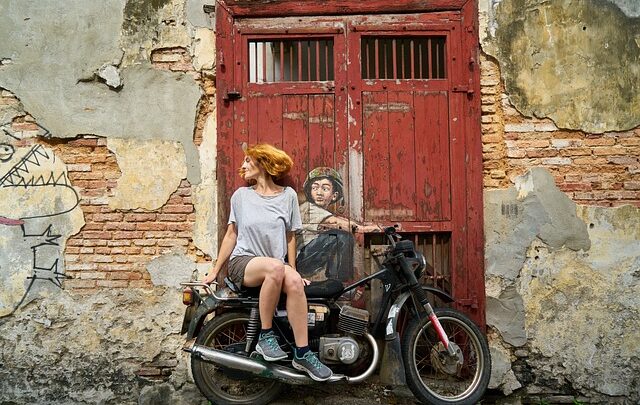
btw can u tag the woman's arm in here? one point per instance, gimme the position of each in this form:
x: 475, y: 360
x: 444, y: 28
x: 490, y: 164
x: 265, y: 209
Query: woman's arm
x: 226, y: 247
x: 291, y: 248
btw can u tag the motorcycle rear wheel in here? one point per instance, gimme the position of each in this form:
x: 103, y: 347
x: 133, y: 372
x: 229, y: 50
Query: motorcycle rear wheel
x: 229, y: 332
x: 433, y: 376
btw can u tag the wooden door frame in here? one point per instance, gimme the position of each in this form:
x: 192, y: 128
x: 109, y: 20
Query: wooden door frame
x: 465, y: 96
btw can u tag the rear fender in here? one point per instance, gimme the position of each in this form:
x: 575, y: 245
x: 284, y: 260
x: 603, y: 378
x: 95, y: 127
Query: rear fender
x: 207, y: 306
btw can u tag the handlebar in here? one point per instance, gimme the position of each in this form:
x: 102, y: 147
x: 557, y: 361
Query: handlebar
x: 392, y: 232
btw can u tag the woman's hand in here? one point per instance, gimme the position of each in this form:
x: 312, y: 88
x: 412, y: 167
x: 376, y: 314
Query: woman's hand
x: 210, y: 277
x: 306, y: 282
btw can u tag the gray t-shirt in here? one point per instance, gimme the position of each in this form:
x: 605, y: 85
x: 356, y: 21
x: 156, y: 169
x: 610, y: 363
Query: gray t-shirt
x: 262, y: 222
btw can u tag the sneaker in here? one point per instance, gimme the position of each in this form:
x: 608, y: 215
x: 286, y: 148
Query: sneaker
x: 312, y: 366
x: 269, y: 348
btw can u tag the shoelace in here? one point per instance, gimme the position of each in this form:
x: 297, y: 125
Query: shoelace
x: 271, y: 341
x: 313, y: 360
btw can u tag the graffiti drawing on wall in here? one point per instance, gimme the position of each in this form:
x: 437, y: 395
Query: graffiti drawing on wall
x: 326, y: 245
x: 39, y: 210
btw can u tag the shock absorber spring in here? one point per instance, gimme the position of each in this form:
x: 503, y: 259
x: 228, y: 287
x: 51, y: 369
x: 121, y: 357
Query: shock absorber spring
x: 253, y: 328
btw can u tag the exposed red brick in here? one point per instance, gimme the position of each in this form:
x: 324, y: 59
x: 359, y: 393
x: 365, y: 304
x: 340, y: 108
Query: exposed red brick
x: 112, y: 283
x: 79, y: 283
x: 177, y: 209
x: 151, y: 226
x: 134, y: 217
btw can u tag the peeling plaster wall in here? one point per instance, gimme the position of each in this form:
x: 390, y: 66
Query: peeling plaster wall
x: 560, y: 91
x: 122, y: 103
x: 59, y: 84
x: 111, y: 347
x: 566, y: 314
x: 576, y: 62
x: 151, y: 172
x: 102, y: 106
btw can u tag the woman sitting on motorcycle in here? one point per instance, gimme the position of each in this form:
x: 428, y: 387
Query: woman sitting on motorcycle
x: 260, y: 234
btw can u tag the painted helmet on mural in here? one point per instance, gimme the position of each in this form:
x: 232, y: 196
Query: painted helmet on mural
x: 324, y: 173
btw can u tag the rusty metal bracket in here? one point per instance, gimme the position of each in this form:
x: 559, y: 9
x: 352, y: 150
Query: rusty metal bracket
x: 232, y: 95
x: 463, y: 89
x: 468, y: 302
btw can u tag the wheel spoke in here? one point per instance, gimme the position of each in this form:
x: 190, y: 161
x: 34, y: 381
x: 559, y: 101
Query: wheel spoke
x: 443, y: 376
x: 229, y: 334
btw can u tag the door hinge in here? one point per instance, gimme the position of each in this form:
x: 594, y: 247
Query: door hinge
x: 463, y: 89
x: 232, y: 95
x: 468, y: 302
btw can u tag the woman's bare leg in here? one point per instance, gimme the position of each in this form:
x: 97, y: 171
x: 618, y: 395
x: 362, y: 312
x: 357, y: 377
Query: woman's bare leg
x: 293, y: 286
x: 269, y: 273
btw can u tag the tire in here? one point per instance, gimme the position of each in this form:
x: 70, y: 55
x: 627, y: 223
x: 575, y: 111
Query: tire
x: 462, y: 379
x: 228, y: 332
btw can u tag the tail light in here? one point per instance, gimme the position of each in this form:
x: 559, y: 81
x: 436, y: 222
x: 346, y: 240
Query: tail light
x: 187, y: 296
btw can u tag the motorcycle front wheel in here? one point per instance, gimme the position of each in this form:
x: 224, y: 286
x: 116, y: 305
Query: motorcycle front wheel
x: 228, y: 332
x: 436, y: 377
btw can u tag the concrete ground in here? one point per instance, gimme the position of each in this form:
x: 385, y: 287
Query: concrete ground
x: 367, y: 393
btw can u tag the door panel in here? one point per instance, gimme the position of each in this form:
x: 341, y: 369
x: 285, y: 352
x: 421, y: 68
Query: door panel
x: 377, y: 103
x: 433, y: 168
x: 406, y: 154
x: 301, y: 124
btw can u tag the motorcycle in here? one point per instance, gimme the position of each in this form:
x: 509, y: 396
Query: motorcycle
x: 440, y: 354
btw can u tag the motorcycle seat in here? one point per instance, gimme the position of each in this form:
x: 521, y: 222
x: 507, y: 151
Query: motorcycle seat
x: 317, y: 289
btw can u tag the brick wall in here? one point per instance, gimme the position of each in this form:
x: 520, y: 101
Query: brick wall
x: 593, y: 169
x: 114, y: 246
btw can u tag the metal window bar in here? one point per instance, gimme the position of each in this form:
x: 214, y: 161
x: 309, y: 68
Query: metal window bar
x: 291, y: 60
x: 434, y: 246
x: 391, y: 58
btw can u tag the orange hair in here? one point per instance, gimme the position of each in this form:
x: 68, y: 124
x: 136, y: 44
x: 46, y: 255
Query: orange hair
x: 274, y: 161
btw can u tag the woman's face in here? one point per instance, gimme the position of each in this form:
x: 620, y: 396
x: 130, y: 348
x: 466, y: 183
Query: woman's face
x: 322, y: 192
x: 251, y: 170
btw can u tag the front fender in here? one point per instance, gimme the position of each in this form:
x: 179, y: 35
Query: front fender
x: 392, y: 365
x: 207, y: 306
x: 394, y: 311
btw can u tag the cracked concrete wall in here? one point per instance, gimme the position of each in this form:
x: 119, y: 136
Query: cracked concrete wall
x: 60, y: 83
x: 562, y: 280
x: 105, y: 115
x: 576, y: 62
x: 101, y: 348
x: 563, y: 283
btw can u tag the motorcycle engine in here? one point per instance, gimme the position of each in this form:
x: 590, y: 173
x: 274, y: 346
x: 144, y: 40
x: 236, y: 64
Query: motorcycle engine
x: 345, y: 349
x: 342, y: 349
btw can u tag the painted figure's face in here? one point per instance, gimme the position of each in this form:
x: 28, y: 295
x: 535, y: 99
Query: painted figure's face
x: 250, y: 169
x: 323, y: 193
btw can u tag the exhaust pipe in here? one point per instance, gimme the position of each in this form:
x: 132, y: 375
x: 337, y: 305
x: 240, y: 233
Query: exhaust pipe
x: 237, y: 362
x: 271, y: 370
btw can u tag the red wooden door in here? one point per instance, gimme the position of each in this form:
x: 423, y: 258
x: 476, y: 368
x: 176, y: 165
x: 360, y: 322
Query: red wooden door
x: 383, y: 100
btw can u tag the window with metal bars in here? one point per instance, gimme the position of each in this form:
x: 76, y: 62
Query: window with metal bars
x: 435, y: 247
x: 291, y: 61
x: 414, y: 57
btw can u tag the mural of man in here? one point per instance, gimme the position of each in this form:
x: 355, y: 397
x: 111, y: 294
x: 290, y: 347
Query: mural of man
x: 325, y: 248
